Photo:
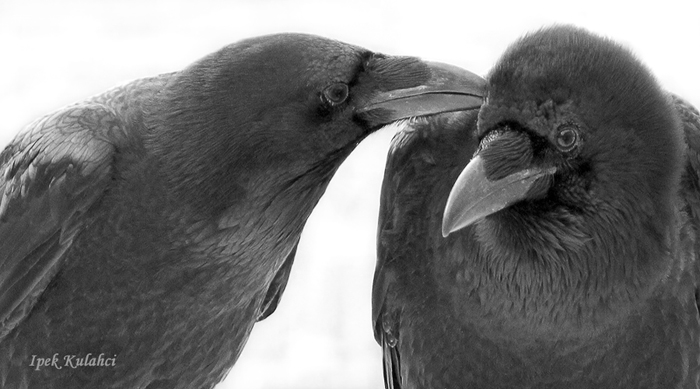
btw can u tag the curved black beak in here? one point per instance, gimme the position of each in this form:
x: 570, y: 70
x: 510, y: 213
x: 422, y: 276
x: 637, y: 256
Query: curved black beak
x: 474, y: 196
x: 448, y: 88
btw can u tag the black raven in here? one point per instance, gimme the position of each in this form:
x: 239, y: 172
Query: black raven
x: 145, y: 230
x: 570, y: 256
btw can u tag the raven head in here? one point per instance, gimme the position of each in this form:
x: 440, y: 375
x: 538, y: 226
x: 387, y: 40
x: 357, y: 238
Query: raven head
x: 283, y: 111
x: 573, y: 126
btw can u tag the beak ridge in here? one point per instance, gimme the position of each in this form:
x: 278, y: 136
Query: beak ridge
x: 449, y: 88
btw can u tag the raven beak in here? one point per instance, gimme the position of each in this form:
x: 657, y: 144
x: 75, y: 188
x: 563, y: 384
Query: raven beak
x: 448, y: 89
x: 474, y: 196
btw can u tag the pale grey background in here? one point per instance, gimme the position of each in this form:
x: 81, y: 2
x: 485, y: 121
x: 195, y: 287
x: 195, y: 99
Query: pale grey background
x: 53, y: 53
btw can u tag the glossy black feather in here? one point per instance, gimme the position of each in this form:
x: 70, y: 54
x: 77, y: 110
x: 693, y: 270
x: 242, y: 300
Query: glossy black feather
x: 53, y: 174
x: 277, y: 286
x: 592, y: 281
x: 154, y: 224
x: 423, y: 162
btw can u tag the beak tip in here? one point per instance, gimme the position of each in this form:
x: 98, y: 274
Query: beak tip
x: 447, y: 224
x: 452, y: 223
x: 445, y: 232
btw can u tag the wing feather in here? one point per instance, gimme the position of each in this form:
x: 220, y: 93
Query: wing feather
x: 52, y: 174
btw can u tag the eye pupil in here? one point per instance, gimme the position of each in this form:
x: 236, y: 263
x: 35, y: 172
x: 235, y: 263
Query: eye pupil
x: 336, y: 93
x: 567, y: 138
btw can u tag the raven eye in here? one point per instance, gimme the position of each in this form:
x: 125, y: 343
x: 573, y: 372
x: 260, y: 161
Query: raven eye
x: 567, y: 138
x: 335, y: 94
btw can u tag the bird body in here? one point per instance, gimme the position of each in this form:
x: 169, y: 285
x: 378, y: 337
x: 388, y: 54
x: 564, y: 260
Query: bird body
x: 566, y: 252
x: 145, y: 230
x: 183, y: 259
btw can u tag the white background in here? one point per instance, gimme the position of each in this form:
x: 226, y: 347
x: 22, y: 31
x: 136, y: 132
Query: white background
x: 53, y: 53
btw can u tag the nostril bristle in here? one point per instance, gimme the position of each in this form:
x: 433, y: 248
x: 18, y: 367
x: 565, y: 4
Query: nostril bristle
x: 505, y: 153
x: 490, y: 137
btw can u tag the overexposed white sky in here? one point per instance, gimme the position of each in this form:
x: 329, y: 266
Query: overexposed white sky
x: 54, y: 53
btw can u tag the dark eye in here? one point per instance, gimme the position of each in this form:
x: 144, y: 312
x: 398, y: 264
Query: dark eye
x: 567, y: 138
x: 335, y: 94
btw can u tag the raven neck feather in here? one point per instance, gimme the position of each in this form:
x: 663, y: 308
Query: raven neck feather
x: 534, y: 271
